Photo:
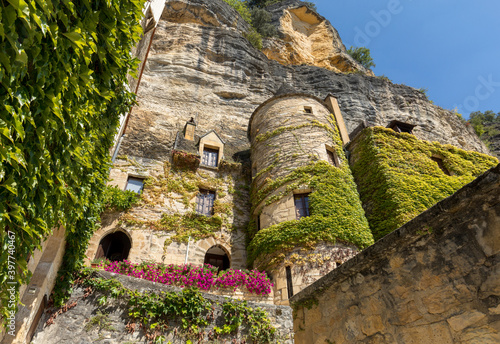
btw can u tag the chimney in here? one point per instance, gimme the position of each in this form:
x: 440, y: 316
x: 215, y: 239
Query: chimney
x: 189, y: 129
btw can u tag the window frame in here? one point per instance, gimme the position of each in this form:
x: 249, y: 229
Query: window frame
x: 211, y: 158
x: 302, y: 208
x: 141, y: 180
x: 205, y: 200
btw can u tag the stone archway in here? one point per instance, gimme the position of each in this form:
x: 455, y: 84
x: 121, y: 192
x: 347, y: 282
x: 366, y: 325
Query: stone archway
x: 217, y: 256
x: 115, y: 247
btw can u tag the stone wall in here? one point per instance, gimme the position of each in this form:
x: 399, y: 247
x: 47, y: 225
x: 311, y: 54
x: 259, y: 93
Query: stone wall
x: 434, y: 280
x: 169, y: 191
x: 84, y: 322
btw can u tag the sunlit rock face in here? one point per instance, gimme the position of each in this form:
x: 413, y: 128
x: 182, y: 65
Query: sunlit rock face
x: 200, y: 65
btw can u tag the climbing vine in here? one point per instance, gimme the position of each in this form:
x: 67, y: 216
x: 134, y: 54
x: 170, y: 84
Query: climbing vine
x: 63, y: 77
x: 398, y: 179
x: 336, y: 214
x: 180, y: 182
x: 187, y: 313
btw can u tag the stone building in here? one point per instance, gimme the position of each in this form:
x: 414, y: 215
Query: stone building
x: 236, y: 170
x: 245, y: 175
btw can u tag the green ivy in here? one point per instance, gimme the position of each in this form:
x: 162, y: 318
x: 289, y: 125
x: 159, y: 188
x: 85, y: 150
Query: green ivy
x: 63, y: 76
x: 117, y: 199
x: 336, y: 214
x: 194, y: 314
x: 398, y: 180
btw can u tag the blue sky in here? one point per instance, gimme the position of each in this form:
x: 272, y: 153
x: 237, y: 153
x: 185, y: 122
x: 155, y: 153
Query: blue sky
x: 450, y: 47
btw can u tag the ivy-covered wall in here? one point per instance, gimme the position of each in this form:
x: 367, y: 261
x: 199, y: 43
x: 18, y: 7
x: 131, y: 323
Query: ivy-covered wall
x: 398, y: 179
x: 63, y: 76
x: 161, y: 225
x: 289, y: 137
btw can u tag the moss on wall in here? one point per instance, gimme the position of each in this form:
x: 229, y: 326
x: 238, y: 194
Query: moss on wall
x: 398, y: 180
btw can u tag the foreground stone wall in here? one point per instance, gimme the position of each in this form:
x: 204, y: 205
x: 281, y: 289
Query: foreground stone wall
x: 84, y: 322
x: 434, y: 280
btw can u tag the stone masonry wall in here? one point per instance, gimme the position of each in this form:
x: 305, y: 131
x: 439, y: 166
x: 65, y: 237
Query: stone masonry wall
x: 84, y: 323
x: 434, y: 280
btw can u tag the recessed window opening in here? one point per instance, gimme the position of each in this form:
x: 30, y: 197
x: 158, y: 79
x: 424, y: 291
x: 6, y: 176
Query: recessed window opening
x: 210, y: 157
x: 308, y: 109
x: 301, y: 205
x: 216, y: 256
x: 135, y: 184
x: 333, y: 158
x: 289, y: 283
x: 115, y: 247
x: 258, y: 223
x: 401, y: 127
x: 441, y: 166
x: 205, y: 202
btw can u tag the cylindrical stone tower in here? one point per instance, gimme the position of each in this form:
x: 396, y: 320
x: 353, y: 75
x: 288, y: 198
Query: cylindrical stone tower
x: 306, y: 213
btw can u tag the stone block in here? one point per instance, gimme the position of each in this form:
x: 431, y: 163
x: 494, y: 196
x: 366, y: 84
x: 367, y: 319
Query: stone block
x: 372, y: 324
x: 460, y: 322
x: 438, y: 333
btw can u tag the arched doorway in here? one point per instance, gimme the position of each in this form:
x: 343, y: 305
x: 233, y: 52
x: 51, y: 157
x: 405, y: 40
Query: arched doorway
x: 218, y: 257
x: 114, y: 246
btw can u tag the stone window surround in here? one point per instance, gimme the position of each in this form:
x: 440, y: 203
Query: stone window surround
x: 212, y: 141
x: 336, y: 158
x: 134, y: 176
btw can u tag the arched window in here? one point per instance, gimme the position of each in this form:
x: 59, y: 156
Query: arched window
x: 114, y: 246
x: 217, y: 256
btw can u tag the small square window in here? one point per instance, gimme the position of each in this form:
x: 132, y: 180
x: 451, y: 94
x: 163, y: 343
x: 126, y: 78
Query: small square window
x: 135, y: 184
x: 441, y: 166
x: 401, y: 127
x: 301, y: 205
x: 205, y: 202
x: 333, y: 158
x: 308, y: 109
x: 210, y: 157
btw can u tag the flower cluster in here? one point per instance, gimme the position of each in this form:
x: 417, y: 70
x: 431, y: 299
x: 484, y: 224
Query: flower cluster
x: 204, y: 277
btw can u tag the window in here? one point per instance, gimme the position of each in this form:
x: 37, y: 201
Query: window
x: 308, y: 109
x: 258, y: 223
x: 210, y: 157
x: 333, y: 159
x: 289, y: 283
x: 440, y: 164
x: 205, y: 202
x: 401, y: 127
x: 135, y: 184
x: 301, y: 205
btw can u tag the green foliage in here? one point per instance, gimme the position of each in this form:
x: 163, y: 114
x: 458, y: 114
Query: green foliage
x: 261, y: 20
x: 398, y: 180
x: 485, y: 124
x: 336, y: 212
x: 190, y: 225
x: 193, y: 313
x: 118, y: 199
x: 63, y: 85
x: 242, y: 8
x: 362, y: 55
x: 254, y: 38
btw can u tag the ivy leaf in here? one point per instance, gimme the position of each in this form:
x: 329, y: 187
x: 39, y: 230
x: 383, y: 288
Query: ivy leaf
x: 75, y: 38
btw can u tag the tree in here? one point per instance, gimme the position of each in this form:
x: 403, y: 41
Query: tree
x: 361, y: 55
x: 261, y: 20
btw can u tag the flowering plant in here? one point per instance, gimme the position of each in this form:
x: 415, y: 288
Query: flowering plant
x: 204, y: 277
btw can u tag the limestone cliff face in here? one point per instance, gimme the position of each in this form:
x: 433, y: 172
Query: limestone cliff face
x: 307, y: 38
x: 200, y: 65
